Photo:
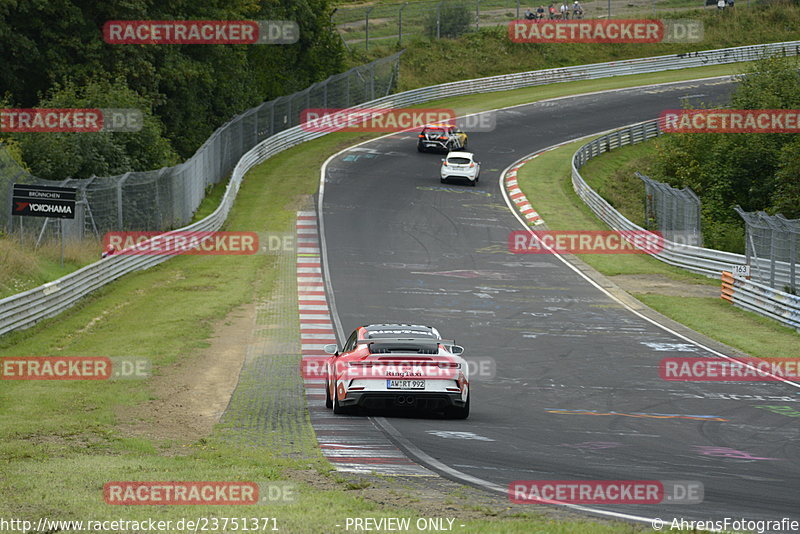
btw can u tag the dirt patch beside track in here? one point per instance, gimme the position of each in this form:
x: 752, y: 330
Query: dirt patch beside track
x: 191, y: 395
x: 662, y: 285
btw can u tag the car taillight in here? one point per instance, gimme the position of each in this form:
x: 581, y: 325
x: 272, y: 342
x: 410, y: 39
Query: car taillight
x: 359, y: 364
x: 421, y: 136
x: 471, y: 164
x: 442, y: 138
x: 451, y: 365
x: 444, y: 164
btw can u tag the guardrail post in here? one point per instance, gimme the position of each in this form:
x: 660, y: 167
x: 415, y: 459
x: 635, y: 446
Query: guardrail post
x: 400, y: 24
x: 366, y: 27
x: 439, y: 20
x: 119, y: 200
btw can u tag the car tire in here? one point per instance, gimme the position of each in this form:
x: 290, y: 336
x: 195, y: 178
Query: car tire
x: 338, y: 408
x: 328, y: 401
x: 473, y: 182
x: 458, y: 412
x: 420, y: 149
x: 443, y: 180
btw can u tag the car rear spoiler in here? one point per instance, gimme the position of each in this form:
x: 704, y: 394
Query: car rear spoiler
x: 406, y: 341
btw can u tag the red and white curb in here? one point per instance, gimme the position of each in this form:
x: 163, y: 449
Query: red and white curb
x: 518, y: 197
x: 351, y: 443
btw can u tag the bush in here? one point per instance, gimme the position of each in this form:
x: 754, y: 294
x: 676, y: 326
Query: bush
x: 453, y: 20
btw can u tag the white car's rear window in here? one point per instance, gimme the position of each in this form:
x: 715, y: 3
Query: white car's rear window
x: 458, y: 161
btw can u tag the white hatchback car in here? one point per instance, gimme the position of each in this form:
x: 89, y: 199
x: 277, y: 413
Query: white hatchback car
x: 461, y: 165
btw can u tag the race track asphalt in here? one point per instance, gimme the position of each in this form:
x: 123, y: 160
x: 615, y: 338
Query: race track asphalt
x: 401, y: 247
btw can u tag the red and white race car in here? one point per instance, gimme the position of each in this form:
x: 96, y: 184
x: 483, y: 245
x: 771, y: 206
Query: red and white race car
x: 397, y: 366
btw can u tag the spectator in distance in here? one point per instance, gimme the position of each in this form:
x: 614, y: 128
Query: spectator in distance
x: 577, y: 10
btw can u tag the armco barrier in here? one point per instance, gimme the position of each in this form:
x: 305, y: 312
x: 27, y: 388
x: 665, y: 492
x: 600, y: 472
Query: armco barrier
x: 747, y: 294
x: 762, y: 299
x: 26, y: 309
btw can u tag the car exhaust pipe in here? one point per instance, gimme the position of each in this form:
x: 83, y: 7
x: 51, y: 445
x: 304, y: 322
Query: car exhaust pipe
x: 401, y: 400
x: 409, y: 400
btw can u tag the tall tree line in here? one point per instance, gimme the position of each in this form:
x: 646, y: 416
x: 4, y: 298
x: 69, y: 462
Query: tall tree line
x: 53, y: 55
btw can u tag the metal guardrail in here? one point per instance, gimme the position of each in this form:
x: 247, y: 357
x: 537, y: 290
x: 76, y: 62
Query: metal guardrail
x: 710, y: 262
x: 26, y: 309
x: 762, y: 299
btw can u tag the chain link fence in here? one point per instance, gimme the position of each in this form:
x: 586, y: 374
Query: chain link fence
x: 772, y: 244
x: 390, y: 23
x: 167, y: 198
x: 673, y: 212
x: 387, y: 23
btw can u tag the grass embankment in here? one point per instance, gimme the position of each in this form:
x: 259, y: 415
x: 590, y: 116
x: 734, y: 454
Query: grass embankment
x: 546, y: 180
x: 23, y: 267
x: 419, y: 17
x: 490, y: 52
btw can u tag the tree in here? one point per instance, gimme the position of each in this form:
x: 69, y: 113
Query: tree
x: 57, y: 156
x: 758, y: 171
x: 193, y: 89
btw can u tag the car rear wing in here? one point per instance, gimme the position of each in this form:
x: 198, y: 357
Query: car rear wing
x: 405, y: 341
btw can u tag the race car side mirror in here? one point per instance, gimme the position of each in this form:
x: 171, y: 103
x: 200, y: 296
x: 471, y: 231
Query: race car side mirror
x: 333, y: 348
x: 457, y: 350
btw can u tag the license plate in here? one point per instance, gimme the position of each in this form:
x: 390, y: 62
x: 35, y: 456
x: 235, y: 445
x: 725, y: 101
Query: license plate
x: 405, y: 384
x: 429, y: 144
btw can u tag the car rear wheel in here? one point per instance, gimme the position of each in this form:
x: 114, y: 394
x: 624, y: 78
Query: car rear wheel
x: 458, y: 412
x: 328, y: 401
x: 338, y: 408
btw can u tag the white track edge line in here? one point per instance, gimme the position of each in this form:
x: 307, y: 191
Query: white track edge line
x: 337, y: 321
x: 583, y: 275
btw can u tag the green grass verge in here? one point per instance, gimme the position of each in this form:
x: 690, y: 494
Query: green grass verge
x: 547, y: 183
x: 716, y: 318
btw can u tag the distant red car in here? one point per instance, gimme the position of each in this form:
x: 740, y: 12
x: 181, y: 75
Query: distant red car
x: 397, y: 366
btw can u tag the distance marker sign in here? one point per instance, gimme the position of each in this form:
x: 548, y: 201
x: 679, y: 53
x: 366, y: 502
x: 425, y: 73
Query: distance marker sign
x: 43, y: 201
